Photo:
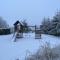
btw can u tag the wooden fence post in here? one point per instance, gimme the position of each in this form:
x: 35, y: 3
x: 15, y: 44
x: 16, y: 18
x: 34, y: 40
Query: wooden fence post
x: 37, y: 33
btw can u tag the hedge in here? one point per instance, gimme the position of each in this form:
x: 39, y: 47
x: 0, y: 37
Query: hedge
x: 4, y: 31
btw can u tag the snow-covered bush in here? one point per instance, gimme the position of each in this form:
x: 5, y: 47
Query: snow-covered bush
x: 4, y: 31
x: 47, y: 53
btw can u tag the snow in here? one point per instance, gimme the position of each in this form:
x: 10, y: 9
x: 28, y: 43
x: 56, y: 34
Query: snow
x: 10, y: 50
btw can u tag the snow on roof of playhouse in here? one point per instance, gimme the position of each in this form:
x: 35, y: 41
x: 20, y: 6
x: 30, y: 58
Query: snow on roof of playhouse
x: 18, y: 22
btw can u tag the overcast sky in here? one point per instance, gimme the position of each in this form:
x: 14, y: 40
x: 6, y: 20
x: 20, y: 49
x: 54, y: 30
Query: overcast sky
x: 32, y: 10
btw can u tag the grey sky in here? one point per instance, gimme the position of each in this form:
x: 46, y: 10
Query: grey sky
x: 32, y: 10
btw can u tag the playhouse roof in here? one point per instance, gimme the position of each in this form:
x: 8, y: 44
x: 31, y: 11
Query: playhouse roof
x: 16, y: 22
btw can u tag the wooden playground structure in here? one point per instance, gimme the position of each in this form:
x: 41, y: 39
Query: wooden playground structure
x: 37, y: 31
x: 18, y: 28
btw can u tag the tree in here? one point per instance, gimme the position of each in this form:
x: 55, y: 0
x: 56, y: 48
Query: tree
x: 45, y: 26
x: 25, y: 25
x: 51, y: 26
x: 3, y: 23
x: 3, y: 26
x: 56, y: 23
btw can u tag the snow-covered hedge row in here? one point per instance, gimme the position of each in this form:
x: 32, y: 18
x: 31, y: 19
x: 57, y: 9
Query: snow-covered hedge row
x: 4, y: 31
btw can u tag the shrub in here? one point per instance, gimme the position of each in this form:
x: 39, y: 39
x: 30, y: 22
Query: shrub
x: 4, y: 31
x: 47, y: 53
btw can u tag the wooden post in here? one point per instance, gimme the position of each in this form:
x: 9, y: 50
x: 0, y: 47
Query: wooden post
x: 37, y: 33
x: 40, y: 33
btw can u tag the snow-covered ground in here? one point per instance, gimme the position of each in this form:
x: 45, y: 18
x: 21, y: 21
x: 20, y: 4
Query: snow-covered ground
x: 10, y: 50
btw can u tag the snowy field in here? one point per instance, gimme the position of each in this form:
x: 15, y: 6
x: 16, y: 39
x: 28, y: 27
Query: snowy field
x: 10, y: 50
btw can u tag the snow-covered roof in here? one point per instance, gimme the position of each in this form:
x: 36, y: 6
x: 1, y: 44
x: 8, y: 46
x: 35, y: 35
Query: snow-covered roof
x: 18, y: 22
